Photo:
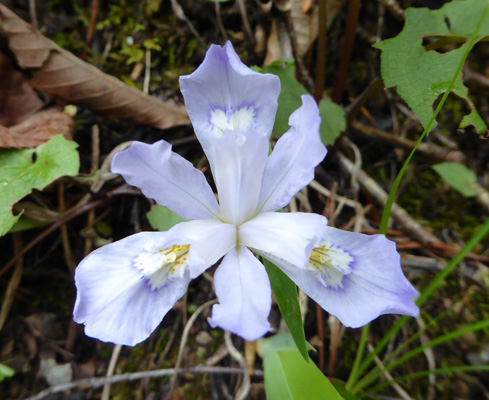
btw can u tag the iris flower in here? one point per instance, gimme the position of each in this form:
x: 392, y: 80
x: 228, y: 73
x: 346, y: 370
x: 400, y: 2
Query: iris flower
x: 124, y: 289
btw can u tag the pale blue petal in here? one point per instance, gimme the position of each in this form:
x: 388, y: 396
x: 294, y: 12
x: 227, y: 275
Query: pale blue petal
x: 238, y: 160
x: 115, y: 302
x: 289, y: 236
x: 165, y: 176
x: 209, y: 240
x: 244, y: 294
x: 375, y: 286
x: 222, y: 86
x: 291, y: 165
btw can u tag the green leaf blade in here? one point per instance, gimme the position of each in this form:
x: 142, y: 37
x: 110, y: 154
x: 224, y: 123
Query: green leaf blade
x: 162, y: 218
x: 21, y: 171
x: 288, y: 302
x: 333, y: 120
x: 457, y: 176
x: 289, y: 376
x: 421, y: 76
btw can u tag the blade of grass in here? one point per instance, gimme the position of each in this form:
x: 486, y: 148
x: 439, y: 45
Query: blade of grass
x: 411, y: 339
x: 435, y: 342
x: 356, y: 372
x: 432, y: 286
x: 398, y: 349
x: 285, y: 292
x: 397, y: 182
x: 421, y: 374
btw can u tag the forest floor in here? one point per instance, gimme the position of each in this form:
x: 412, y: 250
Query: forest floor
x: 148, y: 45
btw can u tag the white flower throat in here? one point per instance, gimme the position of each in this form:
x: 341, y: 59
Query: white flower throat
x: 234, y: 121
x: 160, y: 266
x: 331, y: 263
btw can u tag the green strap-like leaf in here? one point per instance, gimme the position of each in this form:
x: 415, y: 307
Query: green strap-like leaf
x: 288, y: 302
x: 288, y: 376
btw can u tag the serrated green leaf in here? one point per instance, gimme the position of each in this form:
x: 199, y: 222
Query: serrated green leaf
x: 291, y: 91
x: 288, y: 376
x: 27, y: 169
x: 332, y: 115
x: 5, y: 372
x: 333, y: 121
x: 285, y: 292
x: 457, y: 176
x: 161, y: 218
x: 421, y: 76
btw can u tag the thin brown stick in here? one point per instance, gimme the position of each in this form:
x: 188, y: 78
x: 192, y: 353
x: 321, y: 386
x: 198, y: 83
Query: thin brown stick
x: 33, y: 13
x: 334, y: 344
x: 246, y: 23
x: 301, y: 70
x: 65, y: 241
x: 110, y: 370
x: 428, y: 149
x: 244, y: 389
x: 321, y: 51
x: 219, y: 21
x: 379, y: 195
x: 98, y: 382
x: 65, y: 218
x: 347, y: 49
x: 320, y: 329
x: 394, y: 7
x: 91, y: 27
x: 185, y: 333
x: 13, y: 282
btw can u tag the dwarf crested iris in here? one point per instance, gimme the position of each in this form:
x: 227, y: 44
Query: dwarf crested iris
x: 126, y: 288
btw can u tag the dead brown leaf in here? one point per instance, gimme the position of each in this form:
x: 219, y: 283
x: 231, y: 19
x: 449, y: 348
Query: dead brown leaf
x: 37, y: 129
x: 17, y: 98
x: 304, y: 19
x: 64, y: 76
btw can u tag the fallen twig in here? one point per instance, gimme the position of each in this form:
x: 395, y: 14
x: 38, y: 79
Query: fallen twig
x: 428, y: 149
x: 414, y: 228
x: 133, y: 376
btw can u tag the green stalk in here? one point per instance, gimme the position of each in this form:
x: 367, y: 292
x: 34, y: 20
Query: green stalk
x: 359, y: 369
x: 434, y: 284
x: 438, y: 371
x: 397, y: 182
x: 435, y: 342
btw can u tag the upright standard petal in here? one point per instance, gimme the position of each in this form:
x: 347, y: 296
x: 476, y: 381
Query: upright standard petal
x: 289, y: 236
x: 238, y: 160
x: 124, y: 289
x: 224, y: 94
x: 355, y: 277
x: 291, y: 165
x: 167, y: 177
x: 244, y: 295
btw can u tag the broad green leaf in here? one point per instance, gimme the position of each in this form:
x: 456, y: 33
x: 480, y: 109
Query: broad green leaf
x: 420, y: 75
x: 288, y: 376
x: 5, y: 372
x: 162, y: 218
x: 332, y: 115
x: 285, y: 292
x: 291, y: 91
x: 27, y: 169
x: 25, y: 223
x: 333, y: 121
x: 458, y: 176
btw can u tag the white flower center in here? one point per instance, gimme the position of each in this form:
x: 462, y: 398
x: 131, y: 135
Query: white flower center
x: 331, y: 263
x: 161, y: 266
x: 234, y: 121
